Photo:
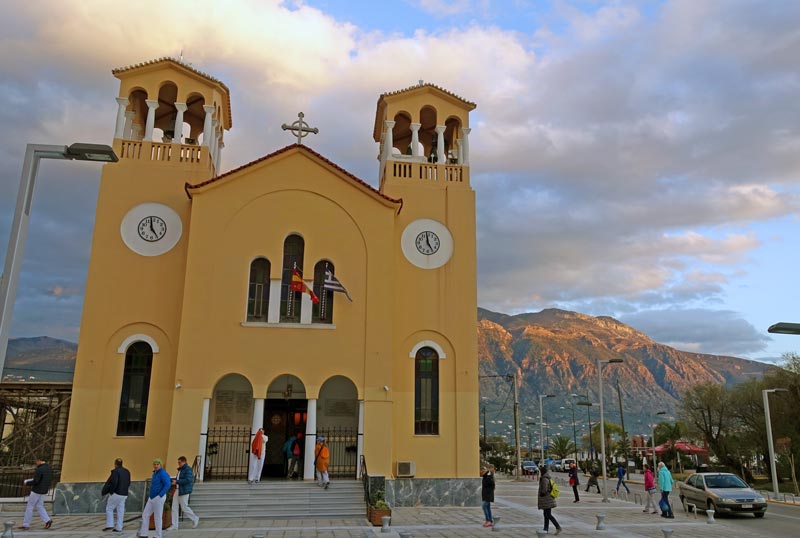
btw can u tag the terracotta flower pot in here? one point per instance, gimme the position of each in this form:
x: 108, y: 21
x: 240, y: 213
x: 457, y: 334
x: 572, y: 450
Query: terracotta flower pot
x: 374, y: 515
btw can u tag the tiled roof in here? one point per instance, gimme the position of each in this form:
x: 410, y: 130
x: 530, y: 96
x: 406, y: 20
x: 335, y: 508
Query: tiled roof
x: 183, y: 65
x: 429, y: 85
x: 188, y: 187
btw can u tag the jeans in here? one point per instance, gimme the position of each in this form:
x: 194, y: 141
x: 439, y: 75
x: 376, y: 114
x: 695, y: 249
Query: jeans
x: 548, y: 517
x: 621, y: 482
x: 665, y: 498
x: 487, y: 511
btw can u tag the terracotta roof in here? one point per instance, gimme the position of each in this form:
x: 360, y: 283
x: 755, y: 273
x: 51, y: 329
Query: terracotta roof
x: 428, y: 85
x: 188, y: 187
x: 186, y: 66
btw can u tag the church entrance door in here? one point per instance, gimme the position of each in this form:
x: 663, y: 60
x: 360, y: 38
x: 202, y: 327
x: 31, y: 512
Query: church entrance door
x: 285, y: 412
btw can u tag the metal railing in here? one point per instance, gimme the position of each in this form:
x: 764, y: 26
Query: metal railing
x: 227, y: 453
x: 12, y: 482
x: 365, y: 479
x: 343, y: 448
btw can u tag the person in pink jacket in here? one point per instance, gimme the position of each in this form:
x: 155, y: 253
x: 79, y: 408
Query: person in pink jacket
x: 650, y: 490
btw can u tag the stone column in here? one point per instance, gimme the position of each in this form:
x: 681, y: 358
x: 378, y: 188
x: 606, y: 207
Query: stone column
x: 388, y: 138
x: 460, y: 151
x: 415, y: 138
x: 360, y: 442
x: 122, y: 105
x: 218, y: 159
x: 311, y: 439
x: 178, y: 127
x: 212, y: 147
x: 258, y: 416
x: 207, y: 130
x: 201, y: 448
x: 152, y: 105
x: 127, y: 130
x: 441, y: 158
x: 465, y: 145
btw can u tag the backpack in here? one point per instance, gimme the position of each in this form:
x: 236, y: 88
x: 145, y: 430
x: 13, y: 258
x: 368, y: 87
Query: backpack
x: 554, y: 493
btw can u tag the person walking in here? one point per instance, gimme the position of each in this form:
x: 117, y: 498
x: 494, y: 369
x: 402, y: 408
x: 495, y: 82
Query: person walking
x: 621, y: 478
x: 159, y: 486
x: 184, y: 481
x: 40, y: 485
x: 649, y: 490
x: 258, y: 449
x: 593, y: 474
x: 546, y: 501
x: 116, y: 487
x: 487, y: 494
x: 665, y: 485
x: 574, y: 481
x: 321, y: 458
x: 291, y: 448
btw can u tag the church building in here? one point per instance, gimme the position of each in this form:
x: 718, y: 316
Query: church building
x: 285, y: 294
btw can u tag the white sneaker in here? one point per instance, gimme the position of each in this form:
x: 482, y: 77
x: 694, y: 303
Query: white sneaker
x: 171, y: 528
x: 196, y: 523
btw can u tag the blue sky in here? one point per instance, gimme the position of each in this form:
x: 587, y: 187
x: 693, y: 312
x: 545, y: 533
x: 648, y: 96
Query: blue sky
x: 633, y: 159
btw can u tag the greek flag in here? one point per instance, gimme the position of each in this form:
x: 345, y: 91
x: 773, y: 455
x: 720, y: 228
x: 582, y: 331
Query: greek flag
x: 332, y: 283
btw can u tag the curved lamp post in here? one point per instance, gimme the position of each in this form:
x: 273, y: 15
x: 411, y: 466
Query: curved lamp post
x: 772, y: 463
x: 600, y: 364
x: 19, y: 229
x: 541, y: 422
x: 653, y: 439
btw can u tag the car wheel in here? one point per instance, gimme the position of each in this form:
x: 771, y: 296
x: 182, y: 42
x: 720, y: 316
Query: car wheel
x: 759, y: 514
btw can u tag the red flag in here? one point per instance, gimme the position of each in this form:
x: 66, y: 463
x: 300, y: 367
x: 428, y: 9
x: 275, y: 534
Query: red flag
x: 298, y: 285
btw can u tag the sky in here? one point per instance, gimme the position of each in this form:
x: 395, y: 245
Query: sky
x: 639, y: 160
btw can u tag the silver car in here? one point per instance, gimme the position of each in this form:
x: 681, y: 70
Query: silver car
x: 725, y: 493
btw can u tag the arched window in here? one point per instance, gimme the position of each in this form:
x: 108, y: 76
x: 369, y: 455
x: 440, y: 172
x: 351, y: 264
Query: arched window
x: 258, y: 291
x: 426, y: 392
x: 135, y: 390
x: 323, y: 310
x: 291, y: 302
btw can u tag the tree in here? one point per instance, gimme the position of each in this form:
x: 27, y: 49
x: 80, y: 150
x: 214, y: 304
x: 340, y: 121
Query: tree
x: 708, y: 410
x: 561, y: 446
x: 669, y: 433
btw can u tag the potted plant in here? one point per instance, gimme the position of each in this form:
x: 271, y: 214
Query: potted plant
x: 378, y: 508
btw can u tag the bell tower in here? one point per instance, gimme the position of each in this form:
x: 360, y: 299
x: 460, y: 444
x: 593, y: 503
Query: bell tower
x: 423, y: 136
x: 169, y: 131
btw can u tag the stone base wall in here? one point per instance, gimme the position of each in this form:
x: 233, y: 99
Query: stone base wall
x: 85, y: 498
x: 433, y: 492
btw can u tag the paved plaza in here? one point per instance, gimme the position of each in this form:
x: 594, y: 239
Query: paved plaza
x: 515, y: 507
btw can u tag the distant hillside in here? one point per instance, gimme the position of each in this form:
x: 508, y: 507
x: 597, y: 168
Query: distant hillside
x: 40, y: 359
x: 556, y: 351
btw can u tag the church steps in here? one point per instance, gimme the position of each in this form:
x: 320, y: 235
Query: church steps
x: 278, y: 500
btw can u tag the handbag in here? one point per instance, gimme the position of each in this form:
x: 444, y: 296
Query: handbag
x: 571, y: 481
x: 664, y: 505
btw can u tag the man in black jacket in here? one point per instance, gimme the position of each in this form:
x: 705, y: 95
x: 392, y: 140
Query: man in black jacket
x: 40, y: 485
x: 117, y: 488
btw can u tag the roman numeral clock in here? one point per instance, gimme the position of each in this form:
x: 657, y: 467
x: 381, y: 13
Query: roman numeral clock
x: 427, y: 243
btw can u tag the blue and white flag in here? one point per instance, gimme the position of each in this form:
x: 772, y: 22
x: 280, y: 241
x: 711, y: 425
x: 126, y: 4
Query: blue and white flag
x: 332, y: 283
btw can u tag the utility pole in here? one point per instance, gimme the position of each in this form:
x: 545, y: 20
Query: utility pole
x: 513, y: 380
x: 622, y: 420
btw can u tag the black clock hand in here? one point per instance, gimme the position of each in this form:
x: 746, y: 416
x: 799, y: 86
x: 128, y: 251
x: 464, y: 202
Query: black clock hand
x: 151, y: 226
x: 428, y: 241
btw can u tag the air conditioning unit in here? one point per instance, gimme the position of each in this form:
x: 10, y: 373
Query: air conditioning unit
x: 406, y: 469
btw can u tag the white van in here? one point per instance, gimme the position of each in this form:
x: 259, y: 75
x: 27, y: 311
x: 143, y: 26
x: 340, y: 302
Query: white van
x: 564, y: 464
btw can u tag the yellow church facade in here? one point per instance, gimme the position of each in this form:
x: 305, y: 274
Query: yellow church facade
x: 285, y: 294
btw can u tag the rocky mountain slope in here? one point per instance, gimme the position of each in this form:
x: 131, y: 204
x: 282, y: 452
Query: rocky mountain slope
x: 39, y: 359
x: 556, y: 351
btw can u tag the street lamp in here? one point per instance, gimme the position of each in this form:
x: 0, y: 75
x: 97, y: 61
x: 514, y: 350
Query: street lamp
x: 773, y: 465
x: 574, y: 428
x: 588, y: 404
x: 600, y: 364
x: 19, y: 229
x: 784, y: 328
x: 541, y: 420
x: 530, y: 438
x: 653, y: 440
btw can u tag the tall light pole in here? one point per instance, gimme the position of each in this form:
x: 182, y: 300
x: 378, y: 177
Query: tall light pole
x: 773, y: 465
x: 541, y: 422
x: 530, y: 438
x: 513, y: 380
x: 653, y: 439
x: 19, y: 229
x: 574, y: 428
x: 600, y: 364
x: 589, y: 404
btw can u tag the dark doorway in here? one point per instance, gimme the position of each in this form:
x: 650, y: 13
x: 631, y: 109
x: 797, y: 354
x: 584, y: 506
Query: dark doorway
x: 282, y: 419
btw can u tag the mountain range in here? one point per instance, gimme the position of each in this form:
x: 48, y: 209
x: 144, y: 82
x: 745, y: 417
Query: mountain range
x: 548, y: 352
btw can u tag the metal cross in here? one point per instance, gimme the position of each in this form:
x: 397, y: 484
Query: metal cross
x: 300, y: 128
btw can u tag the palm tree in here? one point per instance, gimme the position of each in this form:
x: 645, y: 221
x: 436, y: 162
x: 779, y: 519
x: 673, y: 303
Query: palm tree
x: 561, y: 446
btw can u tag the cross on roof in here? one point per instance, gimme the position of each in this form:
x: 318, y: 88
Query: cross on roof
x: 300, y: 128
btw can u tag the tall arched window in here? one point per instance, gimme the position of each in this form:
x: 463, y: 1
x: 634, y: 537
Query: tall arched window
x: 135, y: 390
x: 426, y: 392
x: 258, y: 291
x: 323, y: 310
x: 293, y: 248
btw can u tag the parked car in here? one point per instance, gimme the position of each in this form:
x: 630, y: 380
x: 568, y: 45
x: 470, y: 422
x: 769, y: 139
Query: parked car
x: 529, y: 468
x: 565, y: 463
x: 723, y: 493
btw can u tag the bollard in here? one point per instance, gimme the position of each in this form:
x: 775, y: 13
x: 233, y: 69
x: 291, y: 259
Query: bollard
x: 691, y: 509
x: 667, y: 533
x: 600, y: 522
x: 541, y: 533
x: 385, y: 520
x: 8, y: 531
x: 637, y: 499
x: 710, y: 514
x: 496, y: 524
x: 405, y: 534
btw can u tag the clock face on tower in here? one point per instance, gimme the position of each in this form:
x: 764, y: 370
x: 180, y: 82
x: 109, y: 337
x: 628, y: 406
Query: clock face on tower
x: 151, y: 229
x: 427, y: 243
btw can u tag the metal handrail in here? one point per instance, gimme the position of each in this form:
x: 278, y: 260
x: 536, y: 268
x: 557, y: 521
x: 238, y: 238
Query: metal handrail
x: 196, y: 467
x: 365, y: 479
